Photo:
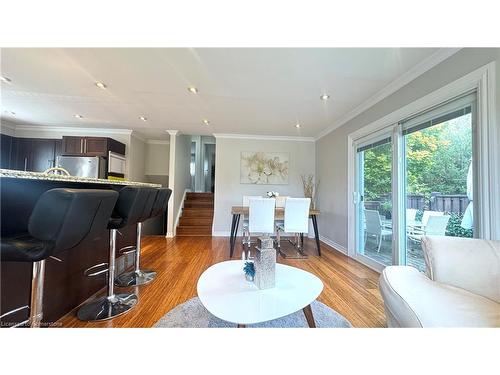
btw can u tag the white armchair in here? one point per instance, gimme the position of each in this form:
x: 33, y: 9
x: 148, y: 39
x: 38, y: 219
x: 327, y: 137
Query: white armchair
x: 461, y: 287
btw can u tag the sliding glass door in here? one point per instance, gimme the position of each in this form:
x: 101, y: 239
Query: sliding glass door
x: 374, y: 201
x: 416, y: 179
x: 439, y: 175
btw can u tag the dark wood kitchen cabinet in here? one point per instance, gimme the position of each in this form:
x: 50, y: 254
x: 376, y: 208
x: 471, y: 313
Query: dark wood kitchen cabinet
x: 42, y: 154
x: 91, y: 146
x: 39, y: 154
x: 6, y: 149
x: 29, y: 154
x: 72, y: 146
x: 21, y: 158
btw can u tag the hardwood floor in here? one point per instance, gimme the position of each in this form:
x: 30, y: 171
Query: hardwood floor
x: 350, y: 287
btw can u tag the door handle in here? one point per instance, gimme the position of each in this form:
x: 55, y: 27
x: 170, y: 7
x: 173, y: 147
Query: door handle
x: 25, y: 164
x: 81, y: 146
x: 85, y: 145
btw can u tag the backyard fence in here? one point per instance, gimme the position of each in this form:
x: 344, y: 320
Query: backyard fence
x: 456, y: 203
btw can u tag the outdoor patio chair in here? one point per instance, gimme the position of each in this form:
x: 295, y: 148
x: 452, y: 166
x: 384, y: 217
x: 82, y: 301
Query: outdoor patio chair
x: 374, y: 227
x: 436, y: 226
x: 411, y: 213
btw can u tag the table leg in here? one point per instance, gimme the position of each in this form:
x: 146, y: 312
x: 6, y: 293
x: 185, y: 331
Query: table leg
x: 233, y: 235
x: 237, y: 226
x: 242, y: 326
x: 309, y: 316
x: 316, y: 233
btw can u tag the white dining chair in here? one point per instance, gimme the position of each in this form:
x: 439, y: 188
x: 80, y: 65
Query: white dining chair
x: 280, y: 203
x: 281, y: 200
x: 260, y: 217
x: 296, y: 221
x: 244, y: 224
x: 374, y: 227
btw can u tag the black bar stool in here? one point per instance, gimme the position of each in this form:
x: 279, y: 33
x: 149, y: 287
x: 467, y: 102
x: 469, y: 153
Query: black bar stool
x: 153, y: 208
x: 60, y: 220
x: 128, y: 211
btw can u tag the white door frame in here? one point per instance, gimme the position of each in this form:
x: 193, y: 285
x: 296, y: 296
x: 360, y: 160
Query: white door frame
x: 483, y: 81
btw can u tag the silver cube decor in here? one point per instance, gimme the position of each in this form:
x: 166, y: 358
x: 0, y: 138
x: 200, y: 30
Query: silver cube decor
x: 265, y: 263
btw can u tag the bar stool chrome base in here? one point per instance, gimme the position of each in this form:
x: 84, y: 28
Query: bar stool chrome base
x: 106, y: 308
x: 134, y: 278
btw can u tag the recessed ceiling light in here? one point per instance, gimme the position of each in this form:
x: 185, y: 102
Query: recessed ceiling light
x: 143, y: 118
x: 206, y: 122
x: 101, y: 85
x: 5, y: 79
x: 193, y: 90
x: 78, y: 116
x: 297, y: 126
x: 324, y: 97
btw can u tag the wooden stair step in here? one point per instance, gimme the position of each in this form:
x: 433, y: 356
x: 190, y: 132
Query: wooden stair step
x: 201, y: 196
x: 197, y: 212
x: 195, y: 220
x: 198, y: 204
x: 198, y: 230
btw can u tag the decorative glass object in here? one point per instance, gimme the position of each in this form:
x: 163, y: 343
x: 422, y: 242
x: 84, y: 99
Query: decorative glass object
x: 265, y: 263
x: 249, y: 270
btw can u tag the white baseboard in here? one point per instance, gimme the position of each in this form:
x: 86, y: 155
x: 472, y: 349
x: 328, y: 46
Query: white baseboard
x: 169, y: 235
x: 333, y: 244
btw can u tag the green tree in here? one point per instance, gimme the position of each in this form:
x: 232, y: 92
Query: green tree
x: 377, y: 172
x: 437, y: 159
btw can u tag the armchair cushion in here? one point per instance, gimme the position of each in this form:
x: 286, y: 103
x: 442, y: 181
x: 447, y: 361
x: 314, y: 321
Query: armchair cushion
x: 411, y: 299
x: 470, y: 264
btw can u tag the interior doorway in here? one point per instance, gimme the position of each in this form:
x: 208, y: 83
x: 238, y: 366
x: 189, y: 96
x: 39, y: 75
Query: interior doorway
x: 209, y: 168
x: 202, y: 167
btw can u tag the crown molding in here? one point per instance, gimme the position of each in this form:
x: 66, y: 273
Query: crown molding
x: 138, y: 136
x: 415, y: 72
x: 72, y: 129
x: 10, y: 126
x: 263, y: 137
x: 157, y: 142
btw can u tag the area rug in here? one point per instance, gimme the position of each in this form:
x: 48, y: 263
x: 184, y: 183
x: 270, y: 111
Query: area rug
x: 192, y: 314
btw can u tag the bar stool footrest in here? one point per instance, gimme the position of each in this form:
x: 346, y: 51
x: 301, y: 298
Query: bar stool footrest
x: 127, y: 250
x: 88, y: 272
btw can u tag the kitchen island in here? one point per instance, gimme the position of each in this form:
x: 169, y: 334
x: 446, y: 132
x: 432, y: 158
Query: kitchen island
x: 66, y: 282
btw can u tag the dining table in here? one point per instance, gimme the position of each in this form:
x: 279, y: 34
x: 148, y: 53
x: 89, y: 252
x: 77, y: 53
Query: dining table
x: 279, y: 214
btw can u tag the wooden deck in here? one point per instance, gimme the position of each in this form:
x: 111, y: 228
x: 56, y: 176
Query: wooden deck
x: 415, y: 255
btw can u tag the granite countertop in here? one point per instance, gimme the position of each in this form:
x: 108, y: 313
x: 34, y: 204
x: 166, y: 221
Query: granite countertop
x: 9, y: 173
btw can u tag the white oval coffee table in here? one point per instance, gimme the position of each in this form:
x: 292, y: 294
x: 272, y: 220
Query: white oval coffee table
x: 225, y: 293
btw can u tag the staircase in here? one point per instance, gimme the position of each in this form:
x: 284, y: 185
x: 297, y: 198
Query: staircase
x: 197, y: 215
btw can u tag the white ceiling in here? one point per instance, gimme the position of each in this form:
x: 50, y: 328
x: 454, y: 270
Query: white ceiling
x: 244, y: 91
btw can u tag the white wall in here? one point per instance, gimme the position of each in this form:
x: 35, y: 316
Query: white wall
x: 228, y: 189
x: 179, y: 177
x: 157, y: 158
x: 136, y: 160
x: 331, y: 150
